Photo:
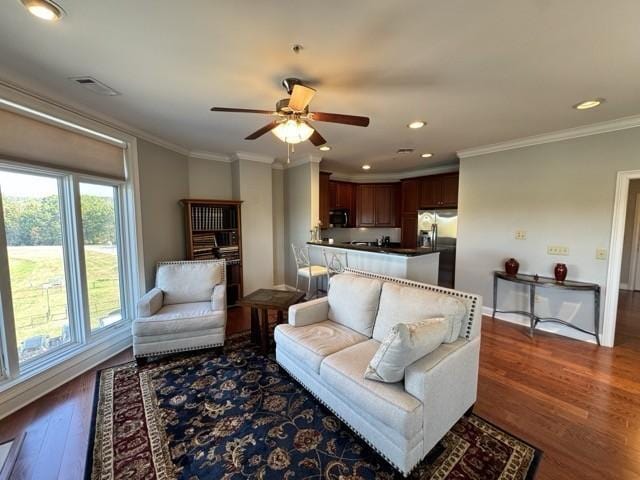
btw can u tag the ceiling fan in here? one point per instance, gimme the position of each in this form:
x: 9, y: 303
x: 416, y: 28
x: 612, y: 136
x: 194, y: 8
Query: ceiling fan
x: 292, y: 123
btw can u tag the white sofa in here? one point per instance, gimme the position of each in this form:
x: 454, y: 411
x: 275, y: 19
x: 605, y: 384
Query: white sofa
x: 187, y: 309
x: 328, y: 343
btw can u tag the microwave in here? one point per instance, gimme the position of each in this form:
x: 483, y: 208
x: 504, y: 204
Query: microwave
x: 338, y: 218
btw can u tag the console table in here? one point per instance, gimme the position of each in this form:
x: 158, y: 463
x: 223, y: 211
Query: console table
x: 534, y: 281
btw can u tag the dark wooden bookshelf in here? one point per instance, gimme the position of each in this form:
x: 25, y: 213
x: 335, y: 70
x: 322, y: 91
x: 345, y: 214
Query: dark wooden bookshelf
x: 213, y: 230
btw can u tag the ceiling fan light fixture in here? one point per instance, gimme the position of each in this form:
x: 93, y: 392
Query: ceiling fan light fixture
x: 293, y: 131
x: 44, y: 9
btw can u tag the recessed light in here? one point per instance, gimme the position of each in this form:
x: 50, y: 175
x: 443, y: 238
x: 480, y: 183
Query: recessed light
x: 417, y: 124
x: 44, y: 9
x: 587, y: 104
x: 427, y: 155
x: 366, y: 167
x: 325, y: 148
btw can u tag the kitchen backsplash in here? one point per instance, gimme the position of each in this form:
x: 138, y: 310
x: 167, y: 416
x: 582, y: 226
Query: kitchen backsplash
x: 343, y: 235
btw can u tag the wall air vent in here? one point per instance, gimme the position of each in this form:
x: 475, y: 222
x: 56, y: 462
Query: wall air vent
x: 404, y: 151
x: 94, y: 85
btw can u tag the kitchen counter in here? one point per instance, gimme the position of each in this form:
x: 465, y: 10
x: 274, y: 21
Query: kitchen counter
x: 407, y: 252
x: 419, y: 264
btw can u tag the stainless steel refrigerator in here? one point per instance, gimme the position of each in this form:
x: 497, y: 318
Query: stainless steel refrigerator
x: 438, y: 229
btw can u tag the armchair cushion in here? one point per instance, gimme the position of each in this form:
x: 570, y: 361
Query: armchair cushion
x: 402, y: 304
x: 353, y: 301
x: 306, y: 313
x: 150, y: 303
x: 183, y: 317
x: 310, y: 344
x: 188, y: 282
x: 403, y: 345
x: 388, y: 403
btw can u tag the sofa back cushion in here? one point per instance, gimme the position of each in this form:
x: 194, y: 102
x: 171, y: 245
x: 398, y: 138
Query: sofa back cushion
x: 403, y: 304
x: 353, y: 301
x: 187, y: 282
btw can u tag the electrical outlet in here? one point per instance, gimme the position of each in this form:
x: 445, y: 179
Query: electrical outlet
x: 557, y: 250
x: 601, y: 253
x: 521, y: 235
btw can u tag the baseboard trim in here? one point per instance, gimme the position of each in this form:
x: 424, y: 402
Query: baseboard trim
x: 624, y: 286
x: 556, y: 329
x: 20, y: 392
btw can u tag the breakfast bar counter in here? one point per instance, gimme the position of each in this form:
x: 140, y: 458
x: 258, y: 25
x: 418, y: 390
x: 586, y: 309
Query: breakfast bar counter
x: 419, y: 264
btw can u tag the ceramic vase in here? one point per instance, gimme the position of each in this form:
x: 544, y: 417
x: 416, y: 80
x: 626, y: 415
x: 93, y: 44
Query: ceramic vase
x: 511, y: 266
x: 560, y: 272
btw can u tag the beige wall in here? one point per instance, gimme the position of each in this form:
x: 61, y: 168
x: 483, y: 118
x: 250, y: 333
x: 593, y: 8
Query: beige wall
x: 561, y: 193
x: 634, y: 191
x: 252, y: 183
x: 278, y: 227
x: 164, y: 180
x: 209, y: 179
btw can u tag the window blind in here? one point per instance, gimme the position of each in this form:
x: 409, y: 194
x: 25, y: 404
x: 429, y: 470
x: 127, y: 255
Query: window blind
x: 26, y: 139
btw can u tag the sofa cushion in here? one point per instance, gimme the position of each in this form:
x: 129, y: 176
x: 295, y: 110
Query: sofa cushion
x: 403, y: 304
x: 312, y: 343
x: 353, y: 301
x: 183, y: 317
x: 389, y: 403
x: 403, y: 345
x: 187, y: 282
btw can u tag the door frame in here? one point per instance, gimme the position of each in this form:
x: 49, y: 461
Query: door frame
x: 616, y: 245
x: 634, y: 275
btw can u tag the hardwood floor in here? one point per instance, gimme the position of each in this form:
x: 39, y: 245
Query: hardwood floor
x: 578, y: 403
x: 628, y: 322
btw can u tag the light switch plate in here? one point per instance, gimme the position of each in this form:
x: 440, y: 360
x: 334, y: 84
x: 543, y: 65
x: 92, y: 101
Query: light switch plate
x: 521, y: 235
x: 601, y: 253
x: 557, y: 250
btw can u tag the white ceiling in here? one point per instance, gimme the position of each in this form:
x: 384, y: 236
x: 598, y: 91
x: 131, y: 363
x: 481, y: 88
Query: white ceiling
x: 478, y: 72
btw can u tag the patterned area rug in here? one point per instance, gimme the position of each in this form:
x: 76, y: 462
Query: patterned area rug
x: 238, y: 415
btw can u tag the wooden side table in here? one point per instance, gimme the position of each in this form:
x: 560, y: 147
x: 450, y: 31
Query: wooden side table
x: 263, y: 300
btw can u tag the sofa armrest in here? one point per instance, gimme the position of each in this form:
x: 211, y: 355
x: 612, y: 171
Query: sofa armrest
x: 219, y: 297
x: 150, y: 303
x: 310, y: 312
x: 446, y: 382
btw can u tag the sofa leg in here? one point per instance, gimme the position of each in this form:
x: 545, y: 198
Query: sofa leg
x: 469, y: 412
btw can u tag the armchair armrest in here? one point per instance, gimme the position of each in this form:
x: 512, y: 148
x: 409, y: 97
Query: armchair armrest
x: 219, y: 297
x: 150, y: 303
x: 310, y: 312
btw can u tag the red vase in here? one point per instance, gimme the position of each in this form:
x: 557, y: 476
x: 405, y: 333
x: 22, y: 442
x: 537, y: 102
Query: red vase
x: 511, y: 266
x: 560, y: 272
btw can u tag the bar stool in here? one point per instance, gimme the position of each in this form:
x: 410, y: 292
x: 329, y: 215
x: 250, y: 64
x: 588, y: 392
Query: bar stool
x: 306, y: 270
x: 335, y: 262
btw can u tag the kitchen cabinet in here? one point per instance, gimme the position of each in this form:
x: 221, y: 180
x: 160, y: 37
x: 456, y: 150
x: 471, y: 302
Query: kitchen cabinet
x: 324, y: 199
x: 377, y: 205
x: 438, y: 191
x: 342, y: 196
x: 409, y: 196
x: 409, y: 230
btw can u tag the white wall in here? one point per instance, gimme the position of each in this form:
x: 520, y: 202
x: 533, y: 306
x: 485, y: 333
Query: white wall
x: 252, y: 183
x: 561, y: 193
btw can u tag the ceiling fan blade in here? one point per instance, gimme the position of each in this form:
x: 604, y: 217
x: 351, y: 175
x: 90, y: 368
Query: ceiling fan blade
x: 241, y: 110
x: 316, y: 138
x: 339, y: 118
x: 258, y: 133
x: 300, y: 97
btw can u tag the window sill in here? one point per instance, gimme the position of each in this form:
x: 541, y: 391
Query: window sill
x: 69, y: 363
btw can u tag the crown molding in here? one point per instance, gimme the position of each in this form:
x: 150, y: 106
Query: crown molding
x: 310, y: 158
x: 216, y: 157
x: 392, y: 177
x: 252, y: 157
x: 557, y: 136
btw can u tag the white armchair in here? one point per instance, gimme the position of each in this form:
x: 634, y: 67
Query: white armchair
x: 185, y: 311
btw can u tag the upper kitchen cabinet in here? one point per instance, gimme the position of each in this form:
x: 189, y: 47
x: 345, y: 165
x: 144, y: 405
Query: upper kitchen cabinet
x: 324, y: 199
x: 409, y: 195
x: 377, y: 205
x: 438, y: 191
x: 342, y: 195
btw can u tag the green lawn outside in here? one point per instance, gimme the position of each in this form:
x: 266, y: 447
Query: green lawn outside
x: 37, y: 272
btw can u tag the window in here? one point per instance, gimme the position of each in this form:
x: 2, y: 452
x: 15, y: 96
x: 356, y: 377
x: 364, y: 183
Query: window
x: 102, y: 269
x: 37, y: 262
